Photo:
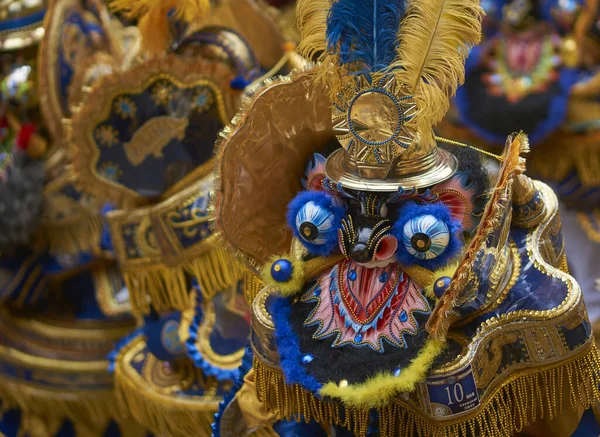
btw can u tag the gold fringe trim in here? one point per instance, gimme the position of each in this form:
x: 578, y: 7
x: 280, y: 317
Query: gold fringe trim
x: 290, y: 402
x: 74, y: 238
x: 172, y: 416
x: 90, y: 411
x: 252, y: 286
x: 521, y: 400
x: 165, y: 288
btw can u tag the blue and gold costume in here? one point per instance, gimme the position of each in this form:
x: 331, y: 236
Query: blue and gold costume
x: 406, y: 290
x: 141, y: 144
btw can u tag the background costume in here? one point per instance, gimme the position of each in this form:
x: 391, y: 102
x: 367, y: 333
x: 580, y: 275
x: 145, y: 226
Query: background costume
x: 143, y: 143
x: 537, y: 71
x: 407, y: 291
x: 63, y: 303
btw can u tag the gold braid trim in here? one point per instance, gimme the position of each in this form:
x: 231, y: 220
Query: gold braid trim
x: 165, y: 415
x: 165, y: 288
x: 90, y: 411
x: 74, y: 237
x: 522, y: 399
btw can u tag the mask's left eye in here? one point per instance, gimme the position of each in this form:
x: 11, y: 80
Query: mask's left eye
x: 315, y: 218
x: 428, y: 234
x: 425, y: 236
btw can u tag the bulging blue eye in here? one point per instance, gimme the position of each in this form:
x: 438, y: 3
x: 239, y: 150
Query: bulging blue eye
x: 425, y: 236
x: 428, y: 234
x: 314, y: 223
x: 315, y: 218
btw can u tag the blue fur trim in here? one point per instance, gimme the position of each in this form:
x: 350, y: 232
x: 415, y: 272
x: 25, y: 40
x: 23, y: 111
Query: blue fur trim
x: 194, y: 354
x: 365, y: 32
x: 557, y: 112
x: 326, y: 201
x: 239, y: 83
x: 411, y: 210
x: 112, y: 356
x: 237, y: 385
x: 288, y: 346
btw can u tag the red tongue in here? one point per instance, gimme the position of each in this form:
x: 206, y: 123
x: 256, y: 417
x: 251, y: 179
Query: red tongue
x: 365, y: 296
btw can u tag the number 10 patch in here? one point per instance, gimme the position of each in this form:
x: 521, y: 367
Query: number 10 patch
x: 453, y: 394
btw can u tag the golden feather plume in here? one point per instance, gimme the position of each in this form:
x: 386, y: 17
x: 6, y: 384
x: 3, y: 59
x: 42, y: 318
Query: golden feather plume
x: 435, y: 39
x: 152, y: 16
x: 312, y: 24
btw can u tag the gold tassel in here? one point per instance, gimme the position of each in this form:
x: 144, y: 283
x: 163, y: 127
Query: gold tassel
x: 166, y: 415
x: 443, y: 314
x: 517, y: 403
x: 77, y: 237
x: 166, y: 288
x: 90, y: 411
x: 291, y: 401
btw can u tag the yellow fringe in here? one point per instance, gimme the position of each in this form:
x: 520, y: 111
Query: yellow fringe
x: 165, y: 288
x: 521, y: 400
x: 380, y: 389
x: 167, y: 415
x: 74, y: 238
x: 90, y: 411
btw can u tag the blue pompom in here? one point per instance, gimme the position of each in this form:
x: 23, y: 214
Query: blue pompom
x: 441, y: 285
x: 282, y: 270
x: 239, y: 83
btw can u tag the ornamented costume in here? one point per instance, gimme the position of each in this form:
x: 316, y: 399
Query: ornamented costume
x: 141, y: 145
x: 537, y: 71
x: 407, y: 292
x: 64, y: 306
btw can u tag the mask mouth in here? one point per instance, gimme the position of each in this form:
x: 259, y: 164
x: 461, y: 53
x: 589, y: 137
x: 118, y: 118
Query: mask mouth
x: 367, y: 240
x: 386, y: 248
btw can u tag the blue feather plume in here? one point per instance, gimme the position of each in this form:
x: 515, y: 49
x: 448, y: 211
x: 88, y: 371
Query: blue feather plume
x: 365, y: 32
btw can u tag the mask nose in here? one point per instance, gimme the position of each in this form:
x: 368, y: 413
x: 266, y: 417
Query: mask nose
x: 360, y: 253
